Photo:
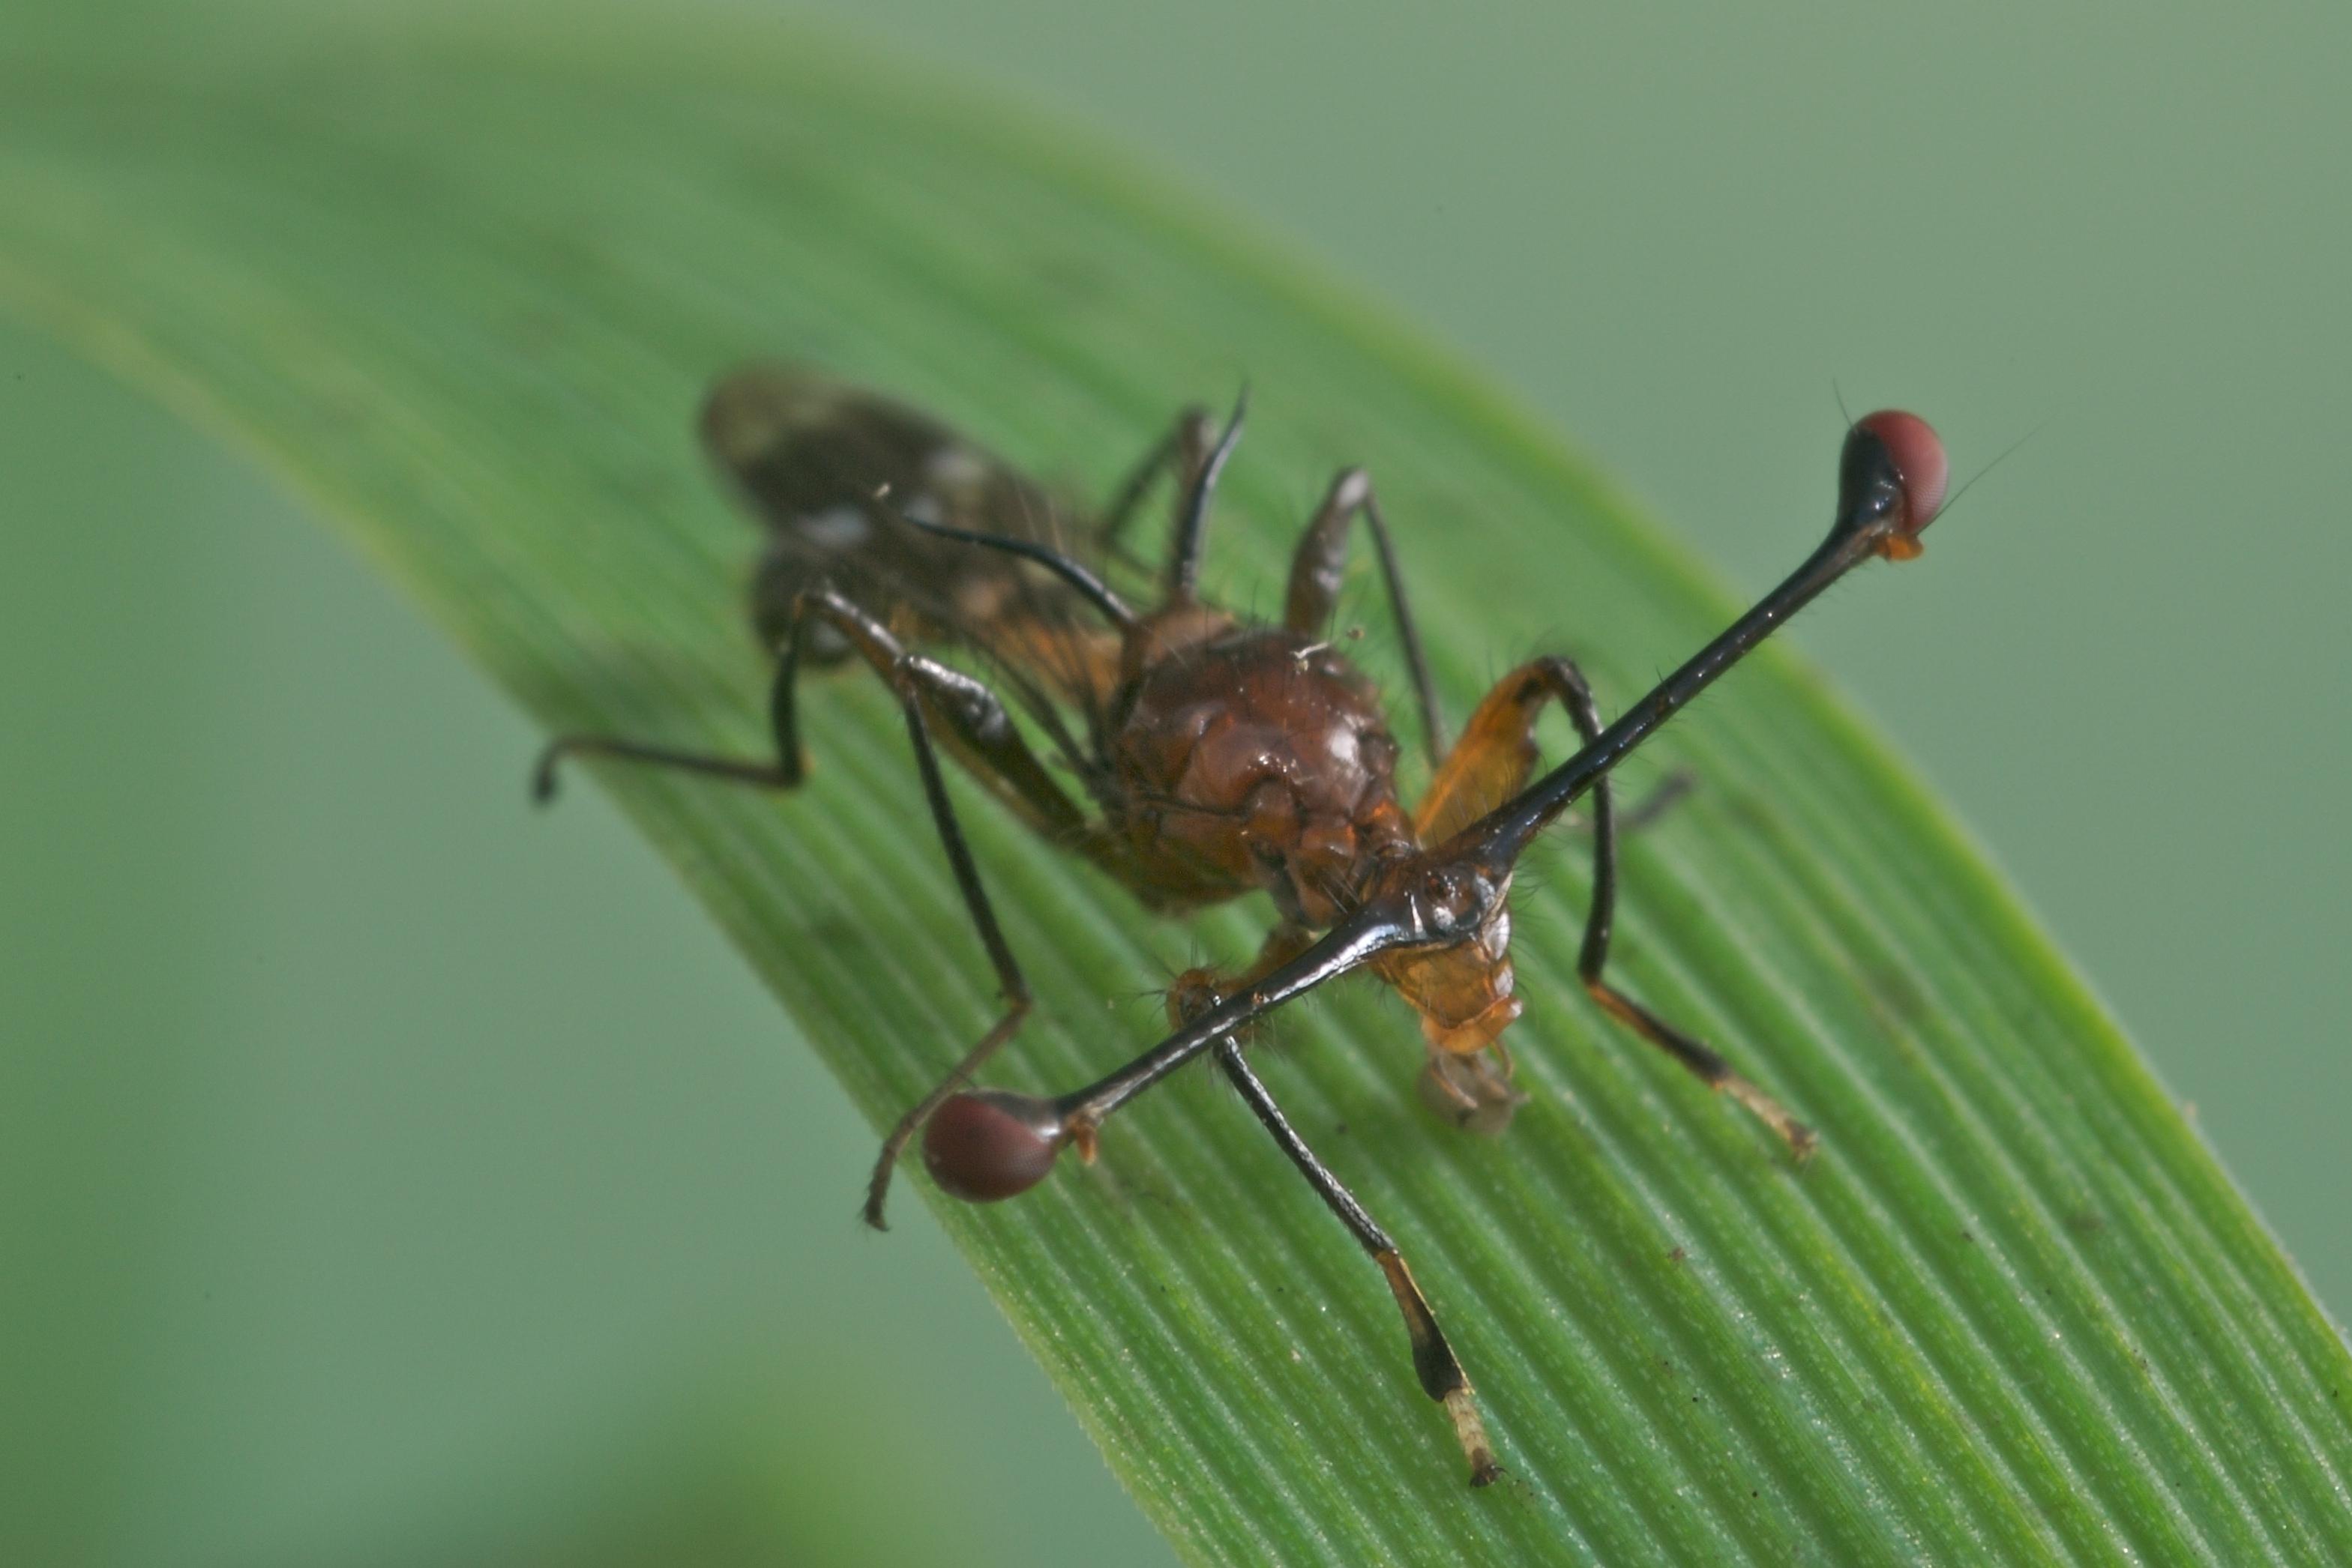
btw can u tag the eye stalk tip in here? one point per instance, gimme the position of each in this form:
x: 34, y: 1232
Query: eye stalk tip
x: 988, y: 1144
x: 1903, y: 450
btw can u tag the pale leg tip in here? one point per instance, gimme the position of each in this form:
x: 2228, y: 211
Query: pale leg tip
x: 1803, y: 1142
x: 1801, y: 1139
x: 1472, y: 1431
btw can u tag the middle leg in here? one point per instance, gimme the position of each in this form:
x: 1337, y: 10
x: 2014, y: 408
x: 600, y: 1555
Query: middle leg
x: 1318, y: 566
x: 1180, y: 450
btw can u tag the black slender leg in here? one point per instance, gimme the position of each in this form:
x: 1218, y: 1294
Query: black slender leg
x: 1181, y: 450
x: 1442, y: 1378
x: 1200, y: 490
x: 738, y: 770
x: 1318, y: 567
x: 1668, y: 793
x: 983, y: 736
x: 1011, y: 983
x: 1644, y: 813
x: 1569, y: 685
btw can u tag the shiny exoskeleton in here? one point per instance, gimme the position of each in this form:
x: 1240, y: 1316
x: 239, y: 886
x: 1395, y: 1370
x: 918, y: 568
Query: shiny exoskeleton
x: 1213, y: 756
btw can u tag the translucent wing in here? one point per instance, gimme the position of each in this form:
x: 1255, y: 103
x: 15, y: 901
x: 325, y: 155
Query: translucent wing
x: 807, y: 456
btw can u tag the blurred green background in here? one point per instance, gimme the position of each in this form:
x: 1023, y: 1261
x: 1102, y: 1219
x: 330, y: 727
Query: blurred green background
x: 391, y: 1174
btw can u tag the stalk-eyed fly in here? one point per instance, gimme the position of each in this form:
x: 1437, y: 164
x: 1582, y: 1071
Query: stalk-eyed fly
x: 1209, y: 756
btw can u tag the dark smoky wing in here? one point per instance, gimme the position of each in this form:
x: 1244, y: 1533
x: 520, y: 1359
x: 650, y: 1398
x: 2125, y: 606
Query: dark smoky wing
x: 807, y: 455
x: 797, y: 445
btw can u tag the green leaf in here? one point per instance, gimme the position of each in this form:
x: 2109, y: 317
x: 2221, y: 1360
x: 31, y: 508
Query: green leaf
x: 462, y: 282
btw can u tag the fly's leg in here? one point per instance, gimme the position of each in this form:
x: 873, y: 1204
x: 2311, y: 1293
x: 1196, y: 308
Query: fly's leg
x: 974, y: 724
x: 1180, y: 450
x: 1441, y: 1373
x: 1593, y: 958
x: 1320, y: 563
x: 1644, y: 813
x: 1193, y: 498
x: 1646, y: 810
x: 1471, y: 1092
x: 1195, y: 991
x: 1489, y: 766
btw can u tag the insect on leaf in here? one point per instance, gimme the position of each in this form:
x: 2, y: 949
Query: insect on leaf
x: 465, y: 281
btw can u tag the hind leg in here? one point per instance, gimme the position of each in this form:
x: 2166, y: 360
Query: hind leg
x: 975, y: 724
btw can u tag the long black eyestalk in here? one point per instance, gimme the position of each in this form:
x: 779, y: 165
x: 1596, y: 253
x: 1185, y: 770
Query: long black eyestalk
x: 1880, y: 512
x: 1347, y: 946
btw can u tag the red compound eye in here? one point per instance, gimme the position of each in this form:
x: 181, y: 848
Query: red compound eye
x: 1917, y: 454
x: 990, y: 1144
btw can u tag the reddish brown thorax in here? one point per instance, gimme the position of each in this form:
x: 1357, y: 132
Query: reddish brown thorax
x: 1254, y: 756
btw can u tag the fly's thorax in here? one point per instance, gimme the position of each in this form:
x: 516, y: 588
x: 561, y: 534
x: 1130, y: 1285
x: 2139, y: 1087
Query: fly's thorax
x: 1459, y: 980
x: 1255, y: 758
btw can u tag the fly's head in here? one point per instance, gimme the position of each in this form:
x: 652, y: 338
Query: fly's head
x: 1455, y: 965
